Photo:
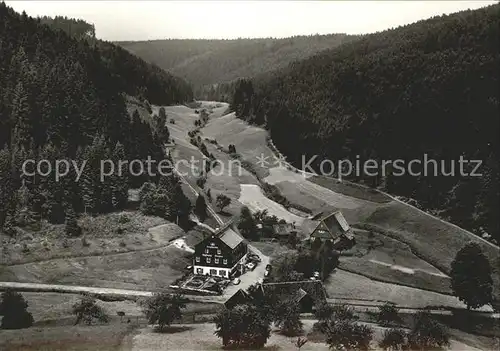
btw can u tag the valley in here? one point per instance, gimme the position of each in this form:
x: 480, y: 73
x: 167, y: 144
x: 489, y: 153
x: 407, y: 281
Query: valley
x: 155, y: 263
x: 203, y: 217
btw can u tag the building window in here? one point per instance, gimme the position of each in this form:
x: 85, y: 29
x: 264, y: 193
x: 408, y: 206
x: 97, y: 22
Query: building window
x: 197, y: 259
x: 213, y: 272
x: 219, y: 252
x: 224, y: 261
x: 199, y: 270
x: 209, y: 259
x: 206, y: 251
x: 216, y: 260
x: 222, y: 272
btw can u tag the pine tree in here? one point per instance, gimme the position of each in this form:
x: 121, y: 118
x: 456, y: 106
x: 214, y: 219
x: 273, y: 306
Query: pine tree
x: 21, y: 115
x: 6, y: 183
x: 247, y: 225
x: 119, y: 185
x: 201, y: 208
x: 71, y: 226
x: 13, y: 308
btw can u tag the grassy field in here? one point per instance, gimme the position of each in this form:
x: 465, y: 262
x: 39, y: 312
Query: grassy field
x: 351, y: 189
x: 109, y: 233
x: 95, y: 338
x: 380, y: 257
x: 150, y: 269
x: 138, y: 256
x: 201, y: 337
x: 342, y: 284
x: 435, y: 241
x: 54, y: 329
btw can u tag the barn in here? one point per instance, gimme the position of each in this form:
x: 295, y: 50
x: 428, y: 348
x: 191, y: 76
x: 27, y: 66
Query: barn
x: 332, y: 227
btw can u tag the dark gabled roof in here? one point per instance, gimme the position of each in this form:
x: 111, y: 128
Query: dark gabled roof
x: 316, y: 216
x: 228, y: 234
x: 296, y: 291
x: 239, y: 297
x: 332, y: 227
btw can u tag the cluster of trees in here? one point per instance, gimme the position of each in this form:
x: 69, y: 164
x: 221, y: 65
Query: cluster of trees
x: 62, y: 99
x: 248, y: 325
x: 216, y: 92
x: 257, y: 225
x: 303, y: 262
x: 166, y: 200
x: 207, y: 63
x: 342, y: 331
x: 74, y: 27
x: 426, y: 88
x: 131, y: 74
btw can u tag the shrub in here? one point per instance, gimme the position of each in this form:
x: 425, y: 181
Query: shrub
x: 123, y: 219
x: 388, y: 314
x: 348, y: 335
x: 201, y: 181
x: 394, y: 339
x: 427, y: 333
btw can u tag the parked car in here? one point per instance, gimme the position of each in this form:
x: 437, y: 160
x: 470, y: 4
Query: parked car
x: 254, y: 258
x: 236, y: 281
x: 316, y: 275
x: 251, y: 266
x: 268, y: 267
x: 266, y: 274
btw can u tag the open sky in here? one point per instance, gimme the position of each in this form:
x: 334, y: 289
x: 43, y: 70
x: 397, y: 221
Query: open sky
x: 142, y: 20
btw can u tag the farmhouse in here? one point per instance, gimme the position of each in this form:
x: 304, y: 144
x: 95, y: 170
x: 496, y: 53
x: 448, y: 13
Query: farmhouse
x: 333, y: 227
x: 305, y: 294
x: 221, y: 253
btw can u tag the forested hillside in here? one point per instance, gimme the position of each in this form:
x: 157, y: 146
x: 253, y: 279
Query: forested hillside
x: 61, y: 98
x: 207, y: 62
x: 426, y: 88
x: 130, y: 73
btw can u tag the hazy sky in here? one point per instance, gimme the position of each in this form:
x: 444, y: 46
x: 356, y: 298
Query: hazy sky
x: 139, y: 20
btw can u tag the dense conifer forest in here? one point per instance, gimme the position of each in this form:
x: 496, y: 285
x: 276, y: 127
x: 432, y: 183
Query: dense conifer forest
x: 62, y: 97
x: 207, y: 63
x: 425, y: 88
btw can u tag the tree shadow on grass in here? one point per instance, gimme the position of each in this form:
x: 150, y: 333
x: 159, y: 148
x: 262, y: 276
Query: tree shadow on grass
x: 172, y: 329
